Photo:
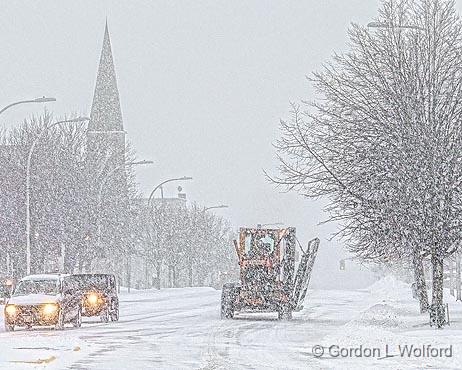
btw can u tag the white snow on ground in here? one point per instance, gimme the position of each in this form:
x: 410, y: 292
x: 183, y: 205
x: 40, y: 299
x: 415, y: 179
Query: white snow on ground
x: 181, y: 329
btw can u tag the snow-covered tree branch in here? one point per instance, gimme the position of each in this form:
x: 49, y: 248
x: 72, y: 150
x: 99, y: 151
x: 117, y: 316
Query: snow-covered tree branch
x: 382, y: 141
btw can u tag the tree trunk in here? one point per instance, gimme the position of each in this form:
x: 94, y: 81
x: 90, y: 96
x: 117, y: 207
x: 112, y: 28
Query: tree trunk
x: 159, y: 266
x: 438, y: 311
x: 129, y: 273
x: 146, y: 274
x: 421, y: 286
x: 175, y: 280
x: 451, y: 278
x: 190, y: 273
x: 169, y: 276
x: 458, y: 282
x: 87, y: 266
x: 80, y: 265
x: 7, y: 264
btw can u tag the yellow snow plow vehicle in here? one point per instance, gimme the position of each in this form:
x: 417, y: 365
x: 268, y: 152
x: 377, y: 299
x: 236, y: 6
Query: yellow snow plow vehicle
x: 268, y: 280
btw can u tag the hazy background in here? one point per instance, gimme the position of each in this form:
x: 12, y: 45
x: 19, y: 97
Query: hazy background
x: 203, y: 85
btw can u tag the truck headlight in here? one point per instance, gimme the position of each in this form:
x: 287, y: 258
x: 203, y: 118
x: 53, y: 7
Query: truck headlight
x: 11, y: 310
x: 50, y: 309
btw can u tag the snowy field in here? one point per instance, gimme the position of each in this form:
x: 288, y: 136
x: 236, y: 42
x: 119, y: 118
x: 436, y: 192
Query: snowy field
x: 181, y: 329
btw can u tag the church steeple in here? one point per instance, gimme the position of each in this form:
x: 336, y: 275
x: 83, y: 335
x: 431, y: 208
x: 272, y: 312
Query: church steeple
x: 108, y: 201
x: 106, y: 114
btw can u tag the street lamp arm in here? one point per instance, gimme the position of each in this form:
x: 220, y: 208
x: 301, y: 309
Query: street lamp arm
x: 38, y: 100
x: 37, y: 139
x: 216, y: 207
x: 164, y: 182
x: 17, y: 103
x: 127, y: 164
x: 157, y: 187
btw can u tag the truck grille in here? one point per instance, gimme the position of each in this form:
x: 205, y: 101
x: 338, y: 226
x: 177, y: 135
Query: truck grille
x: 29, y: 310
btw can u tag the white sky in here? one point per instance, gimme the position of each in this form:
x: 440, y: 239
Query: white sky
x: 203, y: 85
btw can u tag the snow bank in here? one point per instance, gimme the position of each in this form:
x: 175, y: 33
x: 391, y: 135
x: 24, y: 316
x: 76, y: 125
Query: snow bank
x: 389, y: 320
x: 386, y: 310
x: 390, y: 287
x: 382, y: 315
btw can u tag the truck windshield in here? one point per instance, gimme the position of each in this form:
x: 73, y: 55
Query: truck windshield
x: 27, y: 287
x: 259, y: 245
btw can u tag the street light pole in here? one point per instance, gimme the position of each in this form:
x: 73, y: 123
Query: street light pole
x: 28, y: 165
x: 38, y: 100
x: 184, y: 178
x: 204, y: 216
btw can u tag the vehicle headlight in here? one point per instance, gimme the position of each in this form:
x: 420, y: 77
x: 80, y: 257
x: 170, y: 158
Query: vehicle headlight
x: 11, y: 310
x: 50, y: 309
x: 92, y: 298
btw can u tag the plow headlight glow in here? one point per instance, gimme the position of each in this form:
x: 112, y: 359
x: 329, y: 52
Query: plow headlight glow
x: 49, y: 309
x: 11, y: 310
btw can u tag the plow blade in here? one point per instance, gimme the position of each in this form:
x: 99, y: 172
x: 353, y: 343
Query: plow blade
x: 302, y: 278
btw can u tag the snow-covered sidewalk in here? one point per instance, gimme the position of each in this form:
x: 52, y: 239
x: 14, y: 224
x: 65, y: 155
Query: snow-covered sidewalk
x: 181, y: 329
x: 391, y: 334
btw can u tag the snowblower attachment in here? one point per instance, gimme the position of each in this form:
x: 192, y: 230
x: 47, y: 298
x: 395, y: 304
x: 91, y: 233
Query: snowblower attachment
x: 268, y: 282
x: 302, y: 279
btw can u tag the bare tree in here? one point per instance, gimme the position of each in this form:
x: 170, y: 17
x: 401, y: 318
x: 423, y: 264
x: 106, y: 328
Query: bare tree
x: 57, y: 180
x: 383, y: 140
x: 61, y: 204
x: 194, y: 245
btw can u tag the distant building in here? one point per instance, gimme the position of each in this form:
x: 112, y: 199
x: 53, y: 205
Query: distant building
x: 174, y: 202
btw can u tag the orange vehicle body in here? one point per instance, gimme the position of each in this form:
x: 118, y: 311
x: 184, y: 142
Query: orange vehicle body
x: 268, y: 281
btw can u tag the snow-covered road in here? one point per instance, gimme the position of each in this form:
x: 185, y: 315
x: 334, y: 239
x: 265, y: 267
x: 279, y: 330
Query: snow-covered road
x: 181, y: 329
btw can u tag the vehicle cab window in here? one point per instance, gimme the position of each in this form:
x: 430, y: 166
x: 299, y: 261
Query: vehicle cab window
x: 26, y: 287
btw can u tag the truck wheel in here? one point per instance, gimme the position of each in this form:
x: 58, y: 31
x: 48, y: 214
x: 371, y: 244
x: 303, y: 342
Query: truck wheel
x: 104, y: 315
x: 285, y: 313
x: 77, y: 322
x: 60, y: 323
x: 115, y: 314
x: 228, y: 296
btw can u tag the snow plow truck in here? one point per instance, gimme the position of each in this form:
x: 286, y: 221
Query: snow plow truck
x: 268, y: 279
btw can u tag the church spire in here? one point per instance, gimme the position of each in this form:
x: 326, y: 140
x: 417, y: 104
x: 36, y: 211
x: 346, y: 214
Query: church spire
x: 106, y: 114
